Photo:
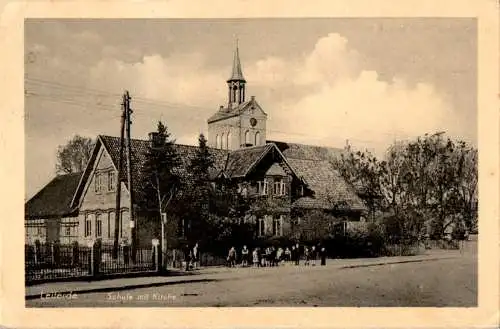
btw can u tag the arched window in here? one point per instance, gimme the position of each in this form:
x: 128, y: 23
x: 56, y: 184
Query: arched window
x: 223, y: 142
x: 257, y: 138
x: 247, y: 137
x: 228, y: 142
x: 217, y: 141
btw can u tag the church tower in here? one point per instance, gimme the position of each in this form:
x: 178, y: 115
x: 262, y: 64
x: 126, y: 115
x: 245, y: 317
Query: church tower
x: 240, y: 123
x: 236, y: 84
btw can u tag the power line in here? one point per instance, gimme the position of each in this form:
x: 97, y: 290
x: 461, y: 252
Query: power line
x: 81, y: 91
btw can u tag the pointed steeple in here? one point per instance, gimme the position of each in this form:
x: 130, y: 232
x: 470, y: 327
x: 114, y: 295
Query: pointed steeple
x: 236, y: 84
x: 237, y: 74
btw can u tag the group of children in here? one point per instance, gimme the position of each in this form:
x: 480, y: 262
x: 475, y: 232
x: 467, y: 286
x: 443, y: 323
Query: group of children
x: 272, y: 256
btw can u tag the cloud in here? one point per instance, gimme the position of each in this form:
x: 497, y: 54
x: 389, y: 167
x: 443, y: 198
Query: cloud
x: 340, y: 100
x: 324, y: 97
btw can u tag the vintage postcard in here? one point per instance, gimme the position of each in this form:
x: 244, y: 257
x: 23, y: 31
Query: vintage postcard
x: 259, y: 165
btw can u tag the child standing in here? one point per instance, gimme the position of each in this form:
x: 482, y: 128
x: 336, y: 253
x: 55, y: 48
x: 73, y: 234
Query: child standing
x: 307, y: 256
x: 255, y: 258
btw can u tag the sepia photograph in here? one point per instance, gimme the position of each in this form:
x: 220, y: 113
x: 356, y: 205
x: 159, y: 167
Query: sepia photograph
x: 278, y: 162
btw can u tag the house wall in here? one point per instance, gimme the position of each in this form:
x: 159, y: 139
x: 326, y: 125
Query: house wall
x: 275, y: 207
x: 35, y: 229
x: 99, y: 204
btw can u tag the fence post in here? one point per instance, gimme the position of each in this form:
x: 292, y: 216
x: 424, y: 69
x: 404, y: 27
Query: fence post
x: 97, y: 256
x: 91, y: 258
x: 52, y: 258
x: 75, y: 253
x: 156, y: 258
x: 37, y: 250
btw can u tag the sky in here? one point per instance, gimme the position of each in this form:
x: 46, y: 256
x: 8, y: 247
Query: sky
x: 322, y: 81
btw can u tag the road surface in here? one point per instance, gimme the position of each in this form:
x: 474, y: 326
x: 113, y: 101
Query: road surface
x: 444, y: 282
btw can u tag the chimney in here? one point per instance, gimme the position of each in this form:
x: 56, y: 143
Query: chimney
x: 221, y: 108
x: 252, y: 98
x: 153, y: 139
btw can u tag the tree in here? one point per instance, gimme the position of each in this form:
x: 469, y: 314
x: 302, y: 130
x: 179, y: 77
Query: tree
x: 161, y: 177
x: 74, y: 155
x: 430, y: 180
x: 467, y: 185
x: 200, y: 189
x: 315, y: 225
x: 362, y: 170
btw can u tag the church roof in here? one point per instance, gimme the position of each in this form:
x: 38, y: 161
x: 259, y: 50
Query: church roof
x: 237, y: 73
x: 225, y: 113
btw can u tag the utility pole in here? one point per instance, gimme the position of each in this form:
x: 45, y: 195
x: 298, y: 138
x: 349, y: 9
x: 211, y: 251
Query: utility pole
x: 119, y: 184
x: 133, y: 224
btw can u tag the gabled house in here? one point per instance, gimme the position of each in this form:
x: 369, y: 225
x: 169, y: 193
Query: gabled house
x: 286, y: 180
x: 49, y: 215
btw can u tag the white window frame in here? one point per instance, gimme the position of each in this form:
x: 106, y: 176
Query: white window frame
x: 98, y: 182
x: 111, y: 181
x: 263, y: 187
x: 88, y: 225
x: 98, y: 225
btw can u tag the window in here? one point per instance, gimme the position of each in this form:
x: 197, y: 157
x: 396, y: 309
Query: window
x: 223, y: 142
x: 88, y: 225
x: 98, y: 182
x: 39, y: 230
x: 279, y: 187
x: 111, y: 181
x: 257, y: 138
x: 262, y: 227
x: 263, y: 185
x: 68, y: 230
x: 247, y: 138
x: 278, y: 225
x: 217, y: 141
x: 98, y: 225
x: 228, y: 142
x: 111, y: 221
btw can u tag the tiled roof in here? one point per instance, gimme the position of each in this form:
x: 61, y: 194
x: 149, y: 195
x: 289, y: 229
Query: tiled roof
x: 140, y: 148
x: 239, y: 162
x: 54, y: 199
x: 309, y: 152
x: 330, y: 189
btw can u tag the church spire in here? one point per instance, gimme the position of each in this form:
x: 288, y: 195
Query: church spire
x: 236, y: 84
x: 237, y: 74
